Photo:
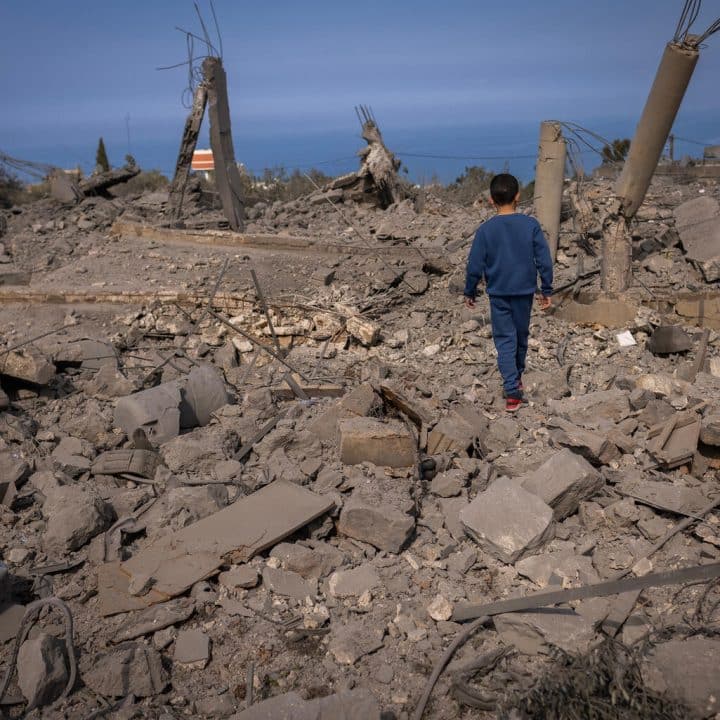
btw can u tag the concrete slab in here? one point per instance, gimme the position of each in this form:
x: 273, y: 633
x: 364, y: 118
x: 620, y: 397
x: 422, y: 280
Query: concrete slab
x: 176, y: 561
x: 563, y: 482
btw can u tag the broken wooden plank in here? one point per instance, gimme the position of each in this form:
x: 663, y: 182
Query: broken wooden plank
x: 185, y: 154
x: 176, y: 561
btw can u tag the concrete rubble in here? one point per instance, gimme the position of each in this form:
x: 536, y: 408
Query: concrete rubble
x: 293, y: 524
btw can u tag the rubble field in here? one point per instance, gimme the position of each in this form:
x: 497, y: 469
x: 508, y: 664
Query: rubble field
x: 262, y: 475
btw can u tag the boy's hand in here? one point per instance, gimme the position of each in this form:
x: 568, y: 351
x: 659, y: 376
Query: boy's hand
x: 469, y: 302
x: 544, y: 302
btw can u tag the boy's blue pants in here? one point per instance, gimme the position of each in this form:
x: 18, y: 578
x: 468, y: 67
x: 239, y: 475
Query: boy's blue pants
x: 510, y: 316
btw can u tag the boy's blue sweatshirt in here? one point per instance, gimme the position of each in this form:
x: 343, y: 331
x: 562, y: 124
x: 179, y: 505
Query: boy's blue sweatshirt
x: 509, y: 251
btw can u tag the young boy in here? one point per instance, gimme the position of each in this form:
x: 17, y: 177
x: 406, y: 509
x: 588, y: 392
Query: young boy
x: 509, y: 251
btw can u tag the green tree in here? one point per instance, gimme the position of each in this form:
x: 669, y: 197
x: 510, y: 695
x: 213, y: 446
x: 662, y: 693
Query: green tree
x: 616, y: 151
x: 101, y: 158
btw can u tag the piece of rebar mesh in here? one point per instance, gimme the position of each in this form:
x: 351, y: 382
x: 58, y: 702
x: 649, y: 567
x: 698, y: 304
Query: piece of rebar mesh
x: 604, y: 684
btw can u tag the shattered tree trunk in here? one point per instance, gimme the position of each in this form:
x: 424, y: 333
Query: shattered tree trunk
x: 379, y: 167
x: 549, y: 177
x: 668, y: 89
x: 185, y: 155
x: 227, y: 177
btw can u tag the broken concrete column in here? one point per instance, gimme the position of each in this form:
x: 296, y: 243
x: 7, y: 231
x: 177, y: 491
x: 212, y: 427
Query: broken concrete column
x: 661, y: 107
x: 74, y: 515
x: 227, y: 177
x: 203, y: 394
x: 563, y: 482
x: 671, y: 81
x: 549, y: 177
x: 42, y: 672
x: 378, y: 513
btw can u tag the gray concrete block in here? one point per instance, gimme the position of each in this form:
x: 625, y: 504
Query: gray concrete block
x: 507, y: 521
x: 563, y: 482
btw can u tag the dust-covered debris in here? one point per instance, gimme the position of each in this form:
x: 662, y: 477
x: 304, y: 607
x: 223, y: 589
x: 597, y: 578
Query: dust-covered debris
x: 295, y: 526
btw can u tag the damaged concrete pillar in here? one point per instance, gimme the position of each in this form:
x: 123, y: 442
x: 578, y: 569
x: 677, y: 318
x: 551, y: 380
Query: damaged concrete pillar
x: 187, y: 148
x: 671, y: 82
x: 227, y: 177
x: 616, y: 266
x: 549, y: 177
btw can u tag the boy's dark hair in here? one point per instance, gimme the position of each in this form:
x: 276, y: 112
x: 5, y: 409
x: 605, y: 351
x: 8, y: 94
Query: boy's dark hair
x: 503, y: 188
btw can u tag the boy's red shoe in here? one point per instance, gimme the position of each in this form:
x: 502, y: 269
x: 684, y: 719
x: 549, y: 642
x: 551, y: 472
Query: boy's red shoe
x: 513, y: 404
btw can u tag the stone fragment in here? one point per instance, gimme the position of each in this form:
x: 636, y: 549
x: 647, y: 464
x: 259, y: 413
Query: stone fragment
x: 462, y: 561
x: 592, y: 446
x: 13, y: 468
x: 557, y: 568
x: 42, y: 670
x: 215, y: 706
x: 387, y: 444
x: 154, y: 618
x: 316, y: 561
x: 192, y: 647
x: 667, y: 339
x: 353, y: 582
x: 457, y: 432
x: 353, y: 640
x: 203, y: 394
x: 710, y: 430
x: 289, y: 584
x: 108, y: 382
x: 686, y: 670
x: 534, y: 632
x: 156, y: 410
x: 595, y: 409
x: 27, y: 364
x: 543, y: 386
x: 449, y: 483
x: 131, y: 667
x: 73, y: 516
x: 363, y: 330
x: 507, y: 521
x: 89, y: 354
x: 68, y: 457
x: 563, y: 482
x: 240, y: 576
x: 383, y: 526
x: 440, y: 609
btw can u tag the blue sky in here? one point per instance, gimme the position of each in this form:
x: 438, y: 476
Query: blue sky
x: 439, y: 74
